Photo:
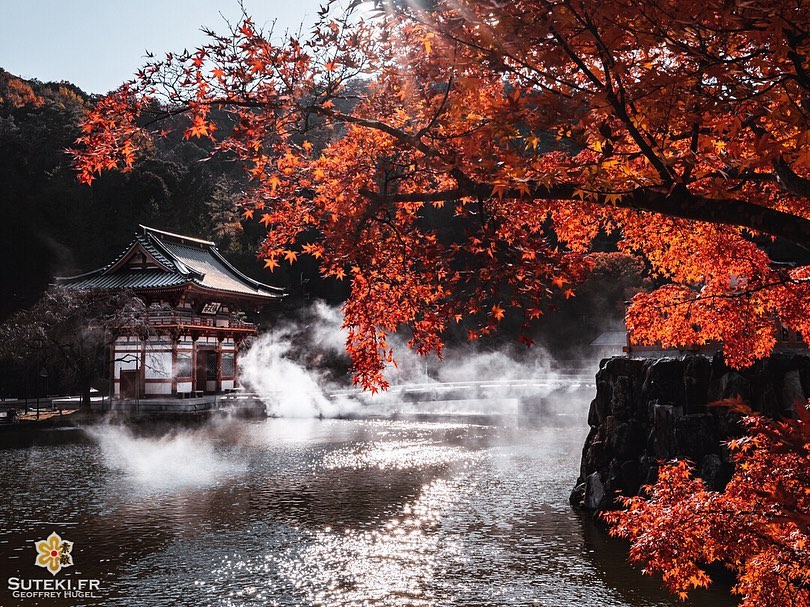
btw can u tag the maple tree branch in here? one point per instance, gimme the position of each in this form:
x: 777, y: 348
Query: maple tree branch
x: 786, y: 177
x: 501, y: 50
x: 678, y: 203
x: 618, y: 107
x: 802, y: 75
x: 394, y: 132
x: 732, y: 295
x: 438, y: 111
x: 790, y: 181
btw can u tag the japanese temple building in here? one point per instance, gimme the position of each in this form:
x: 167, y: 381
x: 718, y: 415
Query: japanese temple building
x: 195, y: 300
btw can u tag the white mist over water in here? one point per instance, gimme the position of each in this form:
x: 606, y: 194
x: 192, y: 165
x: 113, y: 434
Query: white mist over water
x: 288, y: 368
x: 172, y: 461
x: 298, y: 371
x: 274, y: 368
x: 286, y: 387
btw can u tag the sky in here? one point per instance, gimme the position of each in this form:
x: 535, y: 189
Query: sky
x: 98, y: 44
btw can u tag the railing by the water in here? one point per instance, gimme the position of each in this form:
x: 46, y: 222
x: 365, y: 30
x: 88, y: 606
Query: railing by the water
x: 557, y: 381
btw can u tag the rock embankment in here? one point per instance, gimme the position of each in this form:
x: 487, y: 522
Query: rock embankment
x: 647, y: 411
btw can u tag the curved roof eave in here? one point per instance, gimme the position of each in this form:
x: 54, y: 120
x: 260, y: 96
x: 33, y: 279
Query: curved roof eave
x: 244, y: 277
x: 238, y: 294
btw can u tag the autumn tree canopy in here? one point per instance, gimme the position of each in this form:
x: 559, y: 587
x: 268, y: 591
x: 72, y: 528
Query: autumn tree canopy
x: 455, y: 159
x: 758, y: 527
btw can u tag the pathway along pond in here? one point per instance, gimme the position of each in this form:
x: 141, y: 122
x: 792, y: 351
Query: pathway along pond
x: 433, y: 511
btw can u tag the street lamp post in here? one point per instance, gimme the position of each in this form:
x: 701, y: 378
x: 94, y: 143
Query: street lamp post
x: 43, y: 374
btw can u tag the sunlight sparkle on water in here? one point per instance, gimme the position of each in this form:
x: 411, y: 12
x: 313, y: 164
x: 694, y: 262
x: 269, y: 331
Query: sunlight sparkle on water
x: 397, y: 561
x: 394, y: 455
x: 390, y: 513
x: 396, y: 564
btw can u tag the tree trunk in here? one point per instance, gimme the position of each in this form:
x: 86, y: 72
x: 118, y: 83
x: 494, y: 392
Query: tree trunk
x: 85, y: 392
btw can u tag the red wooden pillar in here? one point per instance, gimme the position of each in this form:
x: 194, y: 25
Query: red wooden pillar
x: 194, y: 364
x: 142, y: 375
x: 235, y: 361
x: 219, y: 365
x: 112, y: 352
x: 174, y: 339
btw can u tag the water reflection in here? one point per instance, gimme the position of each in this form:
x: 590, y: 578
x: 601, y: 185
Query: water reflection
x: 331, y: 512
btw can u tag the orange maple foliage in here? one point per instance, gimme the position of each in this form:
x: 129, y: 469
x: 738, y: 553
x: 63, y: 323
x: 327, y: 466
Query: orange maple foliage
x: 477, y: 147
x: 759, y: 526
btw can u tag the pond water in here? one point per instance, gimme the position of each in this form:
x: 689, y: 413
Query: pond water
x: 429, y: 510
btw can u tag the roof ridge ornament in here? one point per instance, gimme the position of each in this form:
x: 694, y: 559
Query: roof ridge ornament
x: 147, y: 230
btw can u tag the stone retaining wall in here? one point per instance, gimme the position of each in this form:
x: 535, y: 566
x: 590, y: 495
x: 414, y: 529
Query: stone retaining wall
x: 646, y: 411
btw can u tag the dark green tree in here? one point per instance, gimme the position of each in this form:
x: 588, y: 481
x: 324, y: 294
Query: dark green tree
x: 71, y: 331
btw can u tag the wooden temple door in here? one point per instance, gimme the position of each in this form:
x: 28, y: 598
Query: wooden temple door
x: 212, y: 371
x: 206, y: 370
x: 131, y: 387
x: 200, y: 370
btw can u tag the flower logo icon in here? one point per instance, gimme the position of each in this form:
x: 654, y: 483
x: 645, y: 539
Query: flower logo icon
x: 54, y: 553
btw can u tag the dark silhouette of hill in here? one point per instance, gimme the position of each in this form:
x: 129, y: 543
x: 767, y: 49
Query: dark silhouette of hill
x: 52, y: 225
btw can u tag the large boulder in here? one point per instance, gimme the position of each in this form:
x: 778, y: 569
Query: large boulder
x: 664, y: 423
x: 715, y: 473
x: 665, y: 382
x: 595, y: 496
x: 696, y: 379
x: 792, y: 392
x: 696, y: 436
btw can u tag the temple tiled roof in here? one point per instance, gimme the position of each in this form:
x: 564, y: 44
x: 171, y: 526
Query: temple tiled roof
x: 181, y: 260
x: 148, y: 279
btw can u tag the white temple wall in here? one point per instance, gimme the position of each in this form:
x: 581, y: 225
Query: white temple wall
x: 162, y: 363
x: 161, y: 388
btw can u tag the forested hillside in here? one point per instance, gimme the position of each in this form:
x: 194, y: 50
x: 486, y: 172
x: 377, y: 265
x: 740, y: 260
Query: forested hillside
x: 53, y: 225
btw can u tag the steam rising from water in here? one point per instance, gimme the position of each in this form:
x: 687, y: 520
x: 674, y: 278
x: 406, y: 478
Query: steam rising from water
x: 285, y: 385
x: 299, y: 370
x: 289, y: 367
x: 172, y: 461
x: 275, y: 368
